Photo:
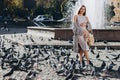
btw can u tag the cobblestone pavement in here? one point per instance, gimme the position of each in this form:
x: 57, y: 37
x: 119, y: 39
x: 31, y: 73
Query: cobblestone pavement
x: 48, y: 72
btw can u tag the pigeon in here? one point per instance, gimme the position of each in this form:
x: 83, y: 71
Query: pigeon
x: 110, y: 48
x: 31, y: 75
x: 72, y: 61
x: 46, y: 58
x: 63, y: 53
x: 49, y: 39
x: 67, y: 59
x: 108, y: 57
x: 53, y: 65
x: 32, y: 40
x: 92, y: 51
x: 98, y: 55
x: 93, y: 72
x: 118, y: 69
x: 103, y: 65
x: 105, y: 41
x: 77, y: 56
x: 111, y: 66
x: 40, y: 52
x: 70, y: 41
x: 117, y: 57
x: 9, y: 73
x: 68, y: 54
x: 91, y: 64
x: 70, y: 75
x: 59, y: 72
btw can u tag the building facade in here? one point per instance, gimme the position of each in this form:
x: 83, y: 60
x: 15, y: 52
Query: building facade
x: 116, y: 4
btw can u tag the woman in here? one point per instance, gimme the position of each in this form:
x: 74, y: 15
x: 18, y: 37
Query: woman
x: 81, y: 30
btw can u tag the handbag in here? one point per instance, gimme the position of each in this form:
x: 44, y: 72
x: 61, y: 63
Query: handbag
x: 90, y: 39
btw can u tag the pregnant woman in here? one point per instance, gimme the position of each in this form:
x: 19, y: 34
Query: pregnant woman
x: 81, y: 30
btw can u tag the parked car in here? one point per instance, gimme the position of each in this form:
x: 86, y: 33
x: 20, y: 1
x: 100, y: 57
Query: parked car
x: 43, y: 18
x: 116, y: 23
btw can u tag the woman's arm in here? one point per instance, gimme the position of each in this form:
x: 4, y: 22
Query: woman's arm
x: 75, y: 18
x: 89, y: 27
x: 75, y: 25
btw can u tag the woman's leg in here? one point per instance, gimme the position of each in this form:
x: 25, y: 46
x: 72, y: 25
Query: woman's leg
x: 81, y: 54
x: 86, y: 56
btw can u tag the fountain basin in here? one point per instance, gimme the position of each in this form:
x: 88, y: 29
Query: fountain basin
x: 107, y: 34
x: 66, y: 33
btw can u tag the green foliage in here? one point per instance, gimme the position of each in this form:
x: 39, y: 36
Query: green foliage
x: 1, y: 5
x: 22, y: 13
x: 12, y: 5
x: 56, y: 13
x: 50, y: 7
x: 109, y: 12
x: 39, y: 11
x: 21, y: 8
x: 29, y: 4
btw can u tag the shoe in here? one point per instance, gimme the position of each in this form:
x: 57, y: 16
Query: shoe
x: 84, y: 67
x: 87, y: 67
x: 81, y: 66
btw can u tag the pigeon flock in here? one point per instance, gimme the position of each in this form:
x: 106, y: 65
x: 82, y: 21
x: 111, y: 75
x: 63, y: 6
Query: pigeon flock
x: 47, y: 62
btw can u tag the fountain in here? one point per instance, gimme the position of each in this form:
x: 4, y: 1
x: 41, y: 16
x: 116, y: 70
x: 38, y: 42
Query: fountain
x: 95, y: 13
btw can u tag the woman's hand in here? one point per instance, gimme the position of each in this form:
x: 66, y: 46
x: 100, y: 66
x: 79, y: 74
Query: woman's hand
x: 86, y: 34
x: 83, y: 24
x: 90, y: 31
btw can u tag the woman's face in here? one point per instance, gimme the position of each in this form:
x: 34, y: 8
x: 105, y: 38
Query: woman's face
x: 82, y: 10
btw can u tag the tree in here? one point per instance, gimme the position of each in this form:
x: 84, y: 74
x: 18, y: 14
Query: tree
x: 49, y: 7
x: 39, y: 11
x: 1, y: 6
x: 57, y: 13
x: 14, y: 4
x: 22, y: 13
x: 30, y: 6
x: 54, y: 8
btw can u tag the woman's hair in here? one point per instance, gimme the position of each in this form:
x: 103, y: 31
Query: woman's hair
x: 81, y: 8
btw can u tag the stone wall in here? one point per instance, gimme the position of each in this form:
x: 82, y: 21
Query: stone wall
x: 67, y: 34
x: 99, y: 34
x: 107, y: 34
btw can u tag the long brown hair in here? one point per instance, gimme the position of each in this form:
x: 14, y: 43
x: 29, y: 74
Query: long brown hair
x: 81, y: 8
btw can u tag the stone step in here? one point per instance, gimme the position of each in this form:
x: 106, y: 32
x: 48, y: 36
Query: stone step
x: 67, y: 34
x: 57, y: 43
